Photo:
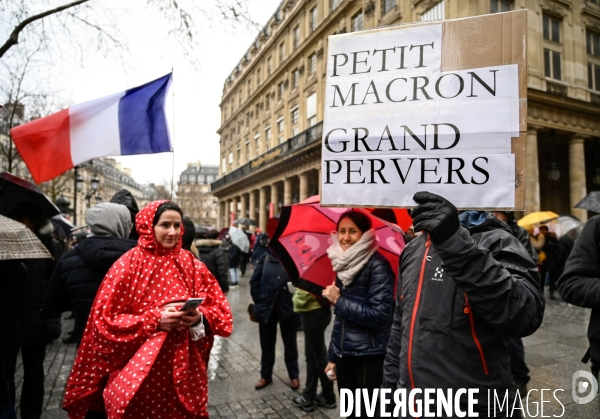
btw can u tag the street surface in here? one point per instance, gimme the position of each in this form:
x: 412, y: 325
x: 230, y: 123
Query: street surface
x: 553, y: 354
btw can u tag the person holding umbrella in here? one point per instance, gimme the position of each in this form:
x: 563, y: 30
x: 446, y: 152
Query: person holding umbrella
x: 363, y: 297
x: 37, y: 330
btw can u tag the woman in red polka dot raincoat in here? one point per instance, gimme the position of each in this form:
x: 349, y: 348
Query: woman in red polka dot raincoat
x: 140, y: 357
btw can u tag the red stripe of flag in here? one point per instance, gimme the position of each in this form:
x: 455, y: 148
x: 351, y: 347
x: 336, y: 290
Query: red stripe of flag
x: 45, y: 145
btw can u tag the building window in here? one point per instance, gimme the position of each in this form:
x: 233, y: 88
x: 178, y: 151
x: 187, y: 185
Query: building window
x: 184, y: 179
x: 499, y: 6
x: 387, y: 6
x: 280, y: 125
x: 201, y: 179
x: 249, y: 84
x: 268, y: 137
x: 312, y: 19
x: 593, y: 50
x: 295, y: 115
x: 230, y: 157
x: 240, y: 97
x: 295, y: 131
x: 295, y: 78
x: 256, y: 145
x: 209, y: 179
x: 357, y: 22
x: 239, y: 156
x: 296, y: 36
x: 281, y: 53
x: 333, y: 4
x: 269, y: 65
x: 280, y: 89
x: 437, y: 12
x: 552, y: 48
x: 312, y: 64
x: 268, y: 101
x: 248, y: 151
x: 258, y: 81
x: 311, y: 109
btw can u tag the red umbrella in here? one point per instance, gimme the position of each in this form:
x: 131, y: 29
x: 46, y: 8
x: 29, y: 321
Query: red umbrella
x: 304, y: 234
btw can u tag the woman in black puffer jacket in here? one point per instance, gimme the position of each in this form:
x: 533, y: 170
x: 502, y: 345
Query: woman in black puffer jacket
x: 363, y: 300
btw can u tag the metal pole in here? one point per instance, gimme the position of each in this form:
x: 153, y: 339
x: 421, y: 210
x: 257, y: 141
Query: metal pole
x: 75, y: 196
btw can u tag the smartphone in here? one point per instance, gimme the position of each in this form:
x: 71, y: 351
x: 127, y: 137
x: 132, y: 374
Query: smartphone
x: 191, y: 304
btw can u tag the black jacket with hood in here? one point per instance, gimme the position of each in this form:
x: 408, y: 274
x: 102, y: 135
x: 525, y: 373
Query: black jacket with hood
x: 80, y: 271
x: 213, y: 256
x: 457, y: 304
x: 580, y: 282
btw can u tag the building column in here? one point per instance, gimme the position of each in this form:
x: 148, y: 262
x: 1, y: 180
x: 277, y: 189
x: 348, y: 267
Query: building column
x: 275, y: 198
x: 287, y: 191
x: 303, y: 186
x: 577, y: 184
x: 243, y: 205
x: 221, y: 215
x: 234, y: 207
x: 252, y: 205
x: 262, y: 210
x: 532, y: 181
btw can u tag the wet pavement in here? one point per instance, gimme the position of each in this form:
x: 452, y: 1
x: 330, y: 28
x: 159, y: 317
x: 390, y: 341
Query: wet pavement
x: 553, y: 355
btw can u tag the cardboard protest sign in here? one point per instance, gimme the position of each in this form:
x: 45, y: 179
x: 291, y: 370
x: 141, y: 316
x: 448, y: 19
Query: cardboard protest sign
x: 439, y: 106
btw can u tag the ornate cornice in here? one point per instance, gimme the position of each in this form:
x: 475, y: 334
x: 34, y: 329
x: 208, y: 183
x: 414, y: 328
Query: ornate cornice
x: 554, y: 7
x: 550, y: 111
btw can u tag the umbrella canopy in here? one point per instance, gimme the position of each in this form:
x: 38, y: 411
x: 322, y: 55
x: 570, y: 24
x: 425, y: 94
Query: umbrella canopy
x: 19, y: 242
x: 537, y: 218
x: 239, y: 238
x: 63, y: 227
x: 245, y: 222
x: 564, y: 224
x: 304, y: 234
x: 13, y: 190
x: 591, y: 202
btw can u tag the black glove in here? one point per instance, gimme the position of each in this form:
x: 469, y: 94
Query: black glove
x: 53, y: 328
x: 436, y: 215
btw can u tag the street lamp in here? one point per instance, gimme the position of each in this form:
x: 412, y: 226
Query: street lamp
x: 95, y: 182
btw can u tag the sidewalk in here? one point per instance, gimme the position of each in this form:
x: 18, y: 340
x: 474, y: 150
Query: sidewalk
x: 553, y: 354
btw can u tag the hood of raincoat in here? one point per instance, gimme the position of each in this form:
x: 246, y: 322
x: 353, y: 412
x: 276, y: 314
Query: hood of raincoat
x: 144, y: 227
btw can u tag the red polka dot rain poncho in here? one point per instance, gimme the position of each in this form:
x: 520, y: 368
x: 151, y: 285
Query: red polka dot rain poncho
x: 125, y: 365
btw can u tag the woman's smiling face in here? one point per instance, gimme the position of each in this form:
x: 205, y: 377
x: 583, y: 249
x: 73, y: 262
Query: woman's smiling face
x: 168, y: 229
x: 348, y: 233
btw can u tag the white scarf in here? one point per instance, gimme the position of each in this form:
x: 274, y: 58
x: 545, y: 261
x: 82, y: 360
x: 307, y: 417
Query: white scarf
x: 347, y: 264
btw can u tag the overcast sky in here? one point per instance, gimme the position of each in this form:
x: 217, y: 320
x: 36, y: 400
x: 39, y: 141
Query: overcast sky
x: 195, y: 93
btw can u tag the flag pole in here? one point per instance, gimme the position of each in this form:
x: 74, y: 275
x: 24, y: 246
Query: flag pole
x: 173, y: 144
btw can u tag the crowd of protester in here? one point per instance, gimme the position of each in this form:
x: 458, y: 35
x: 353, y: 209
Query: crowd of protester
x: 470, y: 285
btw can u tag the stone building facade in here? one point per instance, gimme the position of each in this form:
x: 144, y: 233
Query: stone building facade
x: 272, y: 103
x: 194, y: 196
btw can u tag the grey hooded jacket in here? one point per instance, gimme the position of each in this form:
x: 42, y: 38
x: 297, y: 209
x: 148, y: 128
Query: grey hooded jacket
x: 457, y: 304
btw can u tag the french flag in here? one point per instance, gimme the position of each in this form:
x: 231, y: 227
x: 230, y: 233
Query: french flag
x: 124, y: 123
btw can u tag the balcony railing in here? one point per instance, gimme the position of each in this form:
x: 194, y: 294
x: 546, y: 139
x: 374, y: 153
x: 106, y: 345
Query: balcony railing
x: 556, y: 89
x: 297, y: 142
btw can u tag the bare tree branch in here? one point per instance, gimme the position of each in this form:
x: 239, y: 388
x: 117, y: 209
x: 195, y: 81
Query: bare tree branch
x: 13, y: 39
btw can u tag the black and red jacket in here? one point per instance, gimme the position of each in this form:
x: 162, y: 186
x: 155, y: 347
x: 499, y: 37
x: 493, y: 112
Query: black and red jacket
x: 457, y: 304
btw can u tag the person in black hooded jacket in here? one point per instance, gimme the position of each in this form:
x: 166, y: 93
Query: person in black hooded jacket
x: 464, y: 288
x: 80, y: 271
x: 213, y: 256
x: 124, y: 197
x: 579, y: 284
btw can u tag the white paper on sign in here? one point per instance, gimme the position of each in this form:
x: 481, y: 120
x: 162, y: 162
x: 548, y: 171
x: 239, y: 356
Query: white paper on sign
x: 395, y: 124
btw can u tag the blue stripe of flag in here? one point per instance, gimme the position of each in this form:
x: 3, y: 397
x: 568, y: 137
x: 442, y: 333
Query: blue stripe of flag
x: 142, y: 122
